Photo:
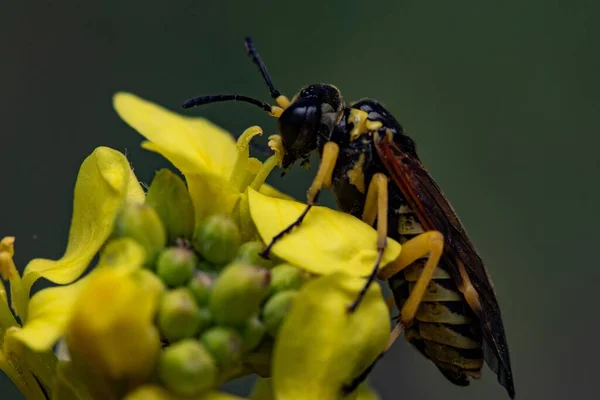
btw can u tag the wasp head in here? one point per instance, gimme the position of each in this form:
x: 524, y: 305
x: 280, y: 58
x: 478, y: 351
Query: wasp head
x: 313, y: 112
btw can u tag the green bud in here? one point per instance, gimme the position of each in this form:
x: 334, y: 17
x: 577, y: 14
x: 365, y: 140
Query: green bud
x: 252, y: 333
x: 276, y: 309
x: 201, y: 287
x: 148, y: 279
x: 204, y: 265
x: 141, y: 223
x: 171, y: 200
x: 206, y: 320
x: 224, y: 344
x: 249, y: 253
x: 238, y: 293
x: 187, y: 368
x: 178, y: 315
x: 286, y: 277
x: 217, y: 239
x: 176, y: 265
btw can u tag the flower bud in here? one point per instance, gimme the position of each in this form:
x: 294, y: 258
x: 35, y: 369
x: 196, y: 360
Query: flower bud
x: 217, y: 239
x: 149, y: 281
x: 252, y: 333
x: 149, y: 392
x: 169, y: 196
x: 201, y: 287
x: 249, y: 253
x: 205, y: 266
x: 178, y: 315
x: 237, y: 293
x: 140, y: 222
x: 276, y: 309
x: 176, y: 265
x: 206, y: 320
x: 286, y: 277
x: 224, y: 344
x: 186, y: 368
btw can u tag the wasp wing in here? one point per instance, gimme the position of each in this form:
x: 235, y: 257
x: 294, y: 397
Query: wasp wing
x: 427, y: 201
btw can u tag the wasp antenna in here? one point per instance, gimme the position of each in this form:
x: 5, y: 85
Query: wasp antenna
x: 253, y: 54
x: 198, y: 101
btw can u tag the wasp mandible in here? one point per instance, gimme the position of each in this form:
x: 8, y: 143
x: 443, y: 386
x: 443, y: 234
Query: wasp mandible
x: 447, y: 303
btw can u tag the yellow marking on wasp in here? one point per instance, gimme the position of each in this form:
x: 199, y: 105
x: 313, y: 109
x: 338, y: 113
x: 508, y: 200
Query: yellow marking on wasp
x: 445, y: 335
x: 282, y: 101
x: 356, y: 176
x: 362, y: 124
x: 276, y: 111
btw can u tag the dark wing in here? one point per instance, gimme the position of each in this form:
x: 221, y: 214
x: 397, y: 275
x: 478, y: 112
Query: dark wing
x: 427, y: 201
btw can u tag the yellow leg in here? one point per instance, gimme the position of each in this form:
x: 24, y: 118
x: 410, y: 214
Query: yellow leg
x: 376, y: 205
x: 428, y: 243
x: 322, y: 180
x: 467, y: 289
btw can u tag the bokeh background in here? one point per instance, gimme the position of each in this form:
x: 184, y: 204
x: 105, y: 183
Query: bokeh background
x: 501, y: 98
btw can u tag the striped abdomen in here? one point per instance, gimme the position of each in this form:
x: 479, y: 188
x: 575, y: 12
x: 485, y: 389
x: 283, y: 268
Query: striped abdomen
x: 444, y: 329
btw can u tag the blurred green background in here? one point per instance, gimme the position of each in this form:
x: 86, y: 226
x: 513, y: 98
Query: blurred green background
x: 501, y: 98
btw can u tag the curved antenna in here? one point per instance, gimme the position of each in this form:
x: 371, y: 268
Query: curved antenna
x: 253, y: 54
x: 198, y: 101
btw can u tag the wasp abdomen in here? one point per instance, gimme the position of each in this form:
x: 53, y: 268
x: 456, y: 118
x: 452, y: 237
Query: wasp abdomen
x: 444, y: 329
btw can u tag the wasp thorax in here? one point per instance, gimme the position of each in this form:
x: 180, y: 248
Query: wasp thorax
x: 314, y: 111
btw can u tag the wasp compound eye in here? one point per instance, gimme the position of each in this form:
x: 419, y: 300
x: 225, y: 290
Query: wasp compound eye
x: 298, y: 126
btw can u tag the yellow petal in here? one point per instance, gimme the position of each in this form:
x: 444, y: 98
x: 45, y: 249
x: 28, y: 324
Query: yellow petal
x: 8, y: 271
x: 191, y: 144
x: 6, y: 317
x: 321, y: 346
x: 41, y: 364
x: 239, y: 176
x: 50, y: 309
x: 68, y: 384
x: 111, y: 333
x: 326, y: 242
x: 124, y: 253
x: 270, y: 191
x: 7, y: 244
x: 365, y: 392
x: 103, y: 183
x: 211, y: 195
x: 21, y: 377
x: 49, y: 312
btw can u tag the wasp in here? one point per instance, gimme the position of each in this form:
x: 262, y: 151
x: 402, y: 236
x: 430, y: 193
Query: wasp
x: 448, y: 307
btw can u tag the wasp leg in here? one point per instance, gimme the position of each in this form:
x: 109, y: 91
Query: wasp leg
x: 376, y: 205
x: 428, y: 243
x: 322, y: 180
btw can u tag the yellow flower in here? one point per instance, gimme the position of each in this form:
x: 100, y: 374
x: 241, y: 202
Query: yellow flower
x: 217, y: 170
x: 321, y: 346
x: 111, y: 335
x: 105, y: 181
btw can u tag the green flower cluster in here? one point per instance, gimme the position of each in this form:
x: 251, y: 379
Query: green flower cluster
x: 222, y: 303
